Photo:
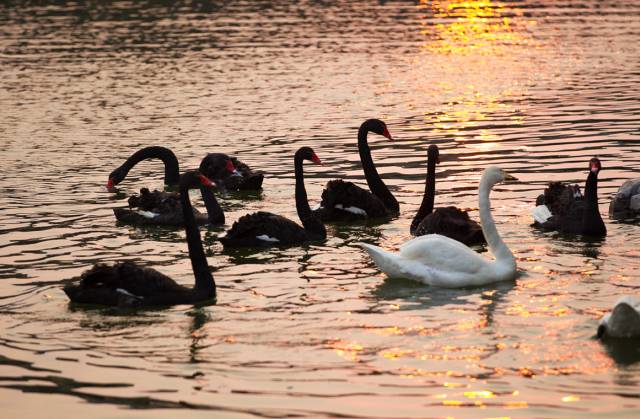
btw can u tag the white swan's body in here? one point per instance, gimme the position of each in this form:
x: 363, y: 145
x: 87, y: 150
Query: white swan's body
x: 626, y: 202
x: 623, y: 321
x: 440, y: 261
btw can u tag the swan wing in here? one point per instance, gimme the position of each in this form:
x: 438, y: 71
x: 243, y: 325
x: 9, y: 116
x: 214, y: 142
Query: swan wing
x: 394, y: 265
x: 443, y: 254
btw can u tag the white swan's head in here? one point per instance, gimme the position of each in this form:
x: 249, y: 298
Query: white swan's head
x: 494, y: 174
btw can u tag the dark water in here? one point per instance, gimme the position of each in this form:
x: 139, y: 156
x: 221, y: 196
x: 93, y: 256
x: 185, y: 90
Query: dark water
x: 537, y: 88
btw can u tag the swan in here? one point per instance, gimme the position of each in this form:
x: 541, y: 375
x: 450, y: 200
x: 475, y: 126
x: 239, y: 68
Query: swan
x: 440, y: 261
x: 159, y: 207
x: 267, y: 229
x: 626, y: 202
x: 448, y: 221
x: 563, y: 208
x: 243, y: 179
x: 126, y: 284
x: 346, y: 201
x: 623, y: 321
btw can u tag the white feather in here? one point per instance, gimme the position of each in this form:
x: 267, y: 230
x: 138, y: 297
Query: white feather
x: 266, y: 238
x: 541, y: 213
x: 353, y: 210
x: 148, y: 214
x: 127, y: 293
x: 440, y: 261
x: 316, y: 207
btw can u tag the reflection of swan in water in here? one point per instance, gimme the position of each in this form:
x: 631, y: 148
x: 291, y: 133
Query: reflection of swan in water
x: 440, y: 261
x: 428, y: 297
x: 623, y: 321
x: 196, y: 331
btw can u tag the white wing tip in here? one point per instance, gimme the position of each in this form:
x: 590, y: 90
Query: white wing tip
x: 541, y: 213
x: 352, y: 209
x: 266, y: 238
x: 148, y: 214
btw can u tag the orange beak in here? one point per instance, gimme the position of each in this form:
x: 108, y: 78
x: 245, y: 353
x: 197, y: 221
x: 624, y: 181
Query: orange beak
x: 386, y: 133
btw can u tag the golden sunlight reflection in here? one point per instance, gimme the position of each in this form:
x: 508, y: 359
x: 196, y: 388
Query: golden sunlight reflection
x: 469, y: 26
x: 476, y: 55
x: 347, y: 350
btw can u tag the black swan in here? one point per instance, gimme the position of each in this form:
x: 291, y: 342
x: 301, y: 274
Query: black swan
x: 563, y: 208
x: 344, y: 201
x: 159, y: 207
x: 448, y: 221
x: 126, y: 284
x: 626, y: 203
x: 267, y: 229
x: 243, y: 179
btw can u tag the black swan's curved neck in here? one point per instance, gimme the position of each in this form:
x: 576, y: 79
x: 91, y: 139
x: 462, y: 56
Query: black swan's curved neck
x: 426, y: 207
x: 171, y: 167
x: 376, y: 185
x: 592, y: 223
x: 310, y: 222
x: 215, y: 214
x: 205, y: 284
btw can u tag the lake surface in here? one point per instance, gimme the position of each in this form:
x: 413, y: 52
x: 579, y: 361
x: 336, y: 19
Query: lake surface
x: 537, y: 88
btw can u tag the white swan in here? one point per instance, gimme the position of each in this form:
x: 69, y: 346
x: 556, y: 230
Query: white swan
x: 623, y: 321
x: 440, y: 261
x: 626, y: 202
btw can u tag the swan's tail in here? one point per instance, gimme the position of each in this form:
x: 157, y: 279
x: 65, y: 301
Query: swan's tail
x: 541, y: 213
x: 387, y: 262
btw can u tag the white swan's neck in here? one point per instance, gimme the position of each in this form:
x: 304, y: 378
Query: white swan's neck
x: 497, y: 246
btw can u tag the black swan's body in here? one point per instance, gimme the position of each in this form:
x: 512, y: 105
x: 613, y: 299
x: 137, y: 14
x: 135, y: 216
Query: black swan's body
x: 563, y: 208
x: 242, y: 179
x: 129, y: 285
x: 448, y: 221
x: 345, y: 201
x: 159, y: 207
x: 267, y: 229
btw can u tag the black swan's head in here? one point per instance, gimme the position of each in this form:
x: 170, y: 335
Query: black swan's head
x: 192, y: 179
x: 116, y: 177
x: 377, y: 126
x: 217, y: 166
x: 307, y: 153
x: 433, y: 154
x: 594, y: 165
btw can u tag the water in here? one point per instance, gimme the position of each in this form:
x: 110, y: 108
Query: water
x: 535, y: 87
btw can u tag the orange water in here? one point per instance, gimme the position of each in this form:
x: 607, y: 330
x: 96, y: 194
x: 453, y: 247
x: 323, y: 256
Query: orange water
x: 537, y: 88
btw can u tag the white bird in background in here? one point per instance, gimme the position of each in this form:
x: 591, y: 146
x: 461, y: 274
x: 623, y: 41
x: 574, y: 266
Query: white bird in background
x: 440, y: 261
x: 623, y: 321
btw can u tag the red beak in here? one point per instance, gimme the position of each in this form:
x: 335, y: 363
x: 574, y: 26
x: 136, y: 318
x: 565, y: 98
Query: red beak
x: 205, y: 180
x: 386, y: 133
x: 110, y: 184
x: 315, y: 159
x: 230, y: 167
